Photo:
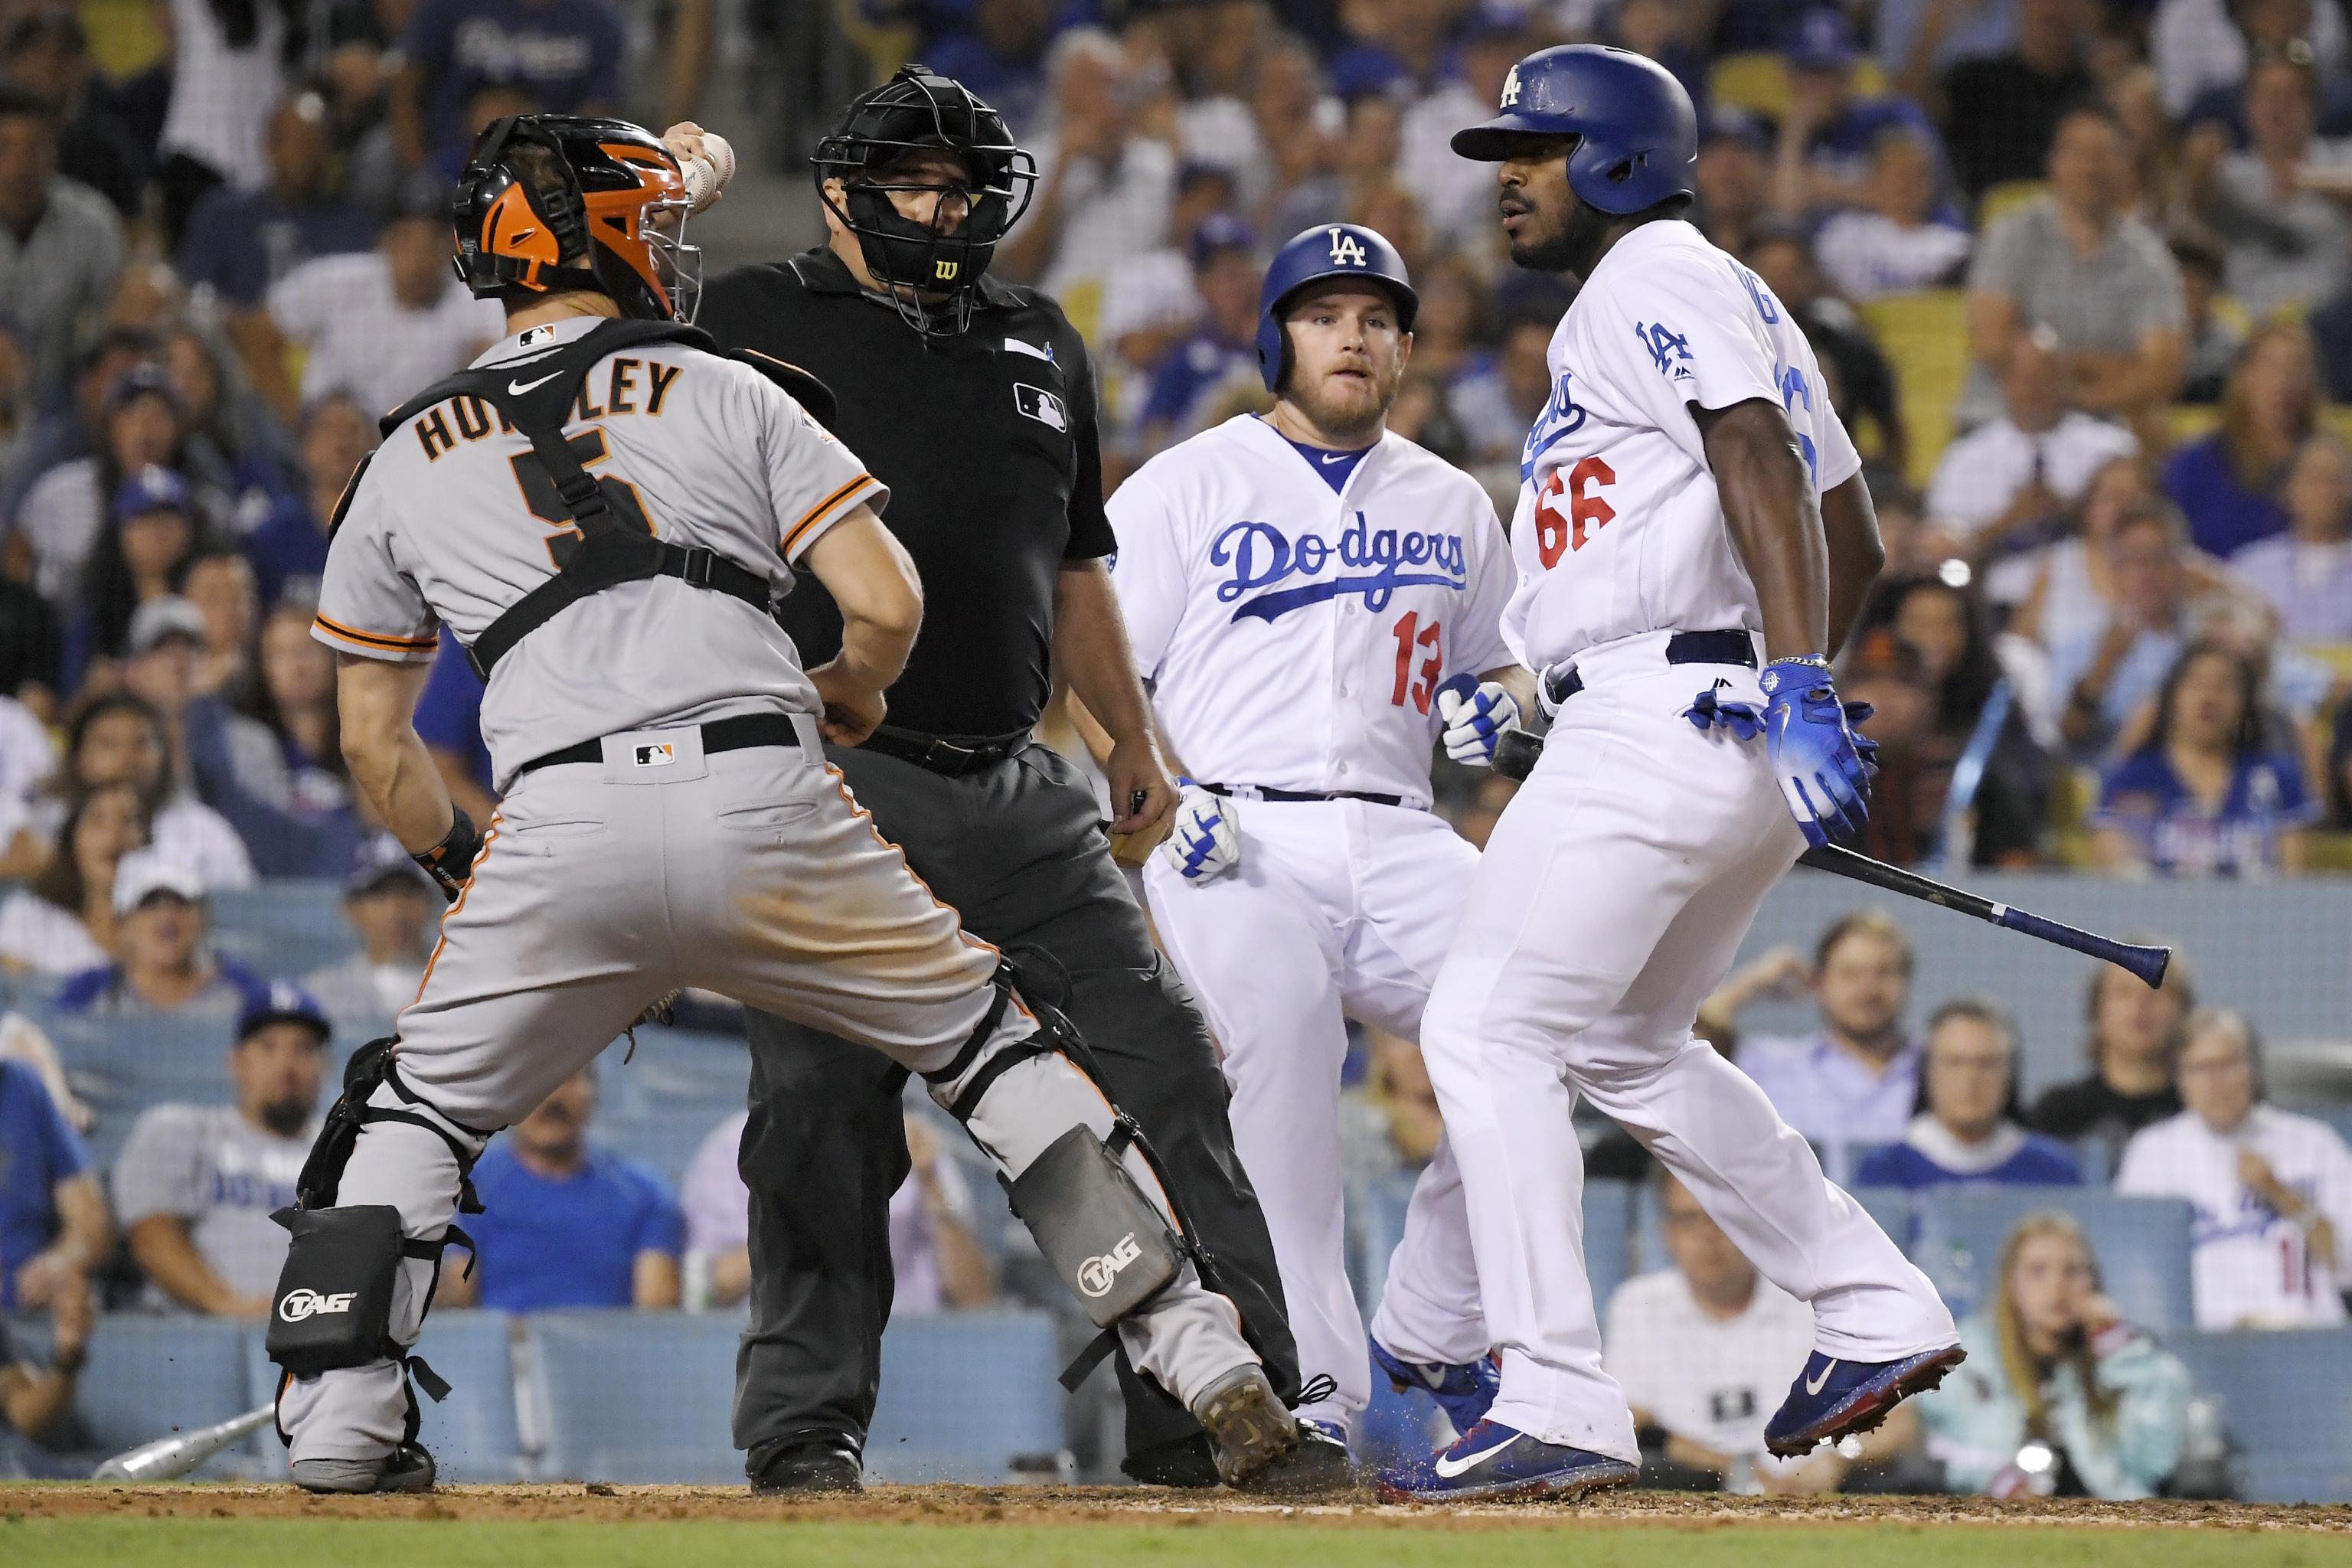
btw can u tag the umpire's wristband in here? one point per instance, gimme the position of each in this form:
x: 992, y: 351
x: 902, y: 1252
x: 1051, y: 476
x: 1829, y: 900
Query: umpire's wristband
x: 450, y: 862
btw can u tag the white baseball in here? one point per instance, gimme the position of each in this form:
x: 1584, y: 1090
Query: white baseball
x: 707, y: 174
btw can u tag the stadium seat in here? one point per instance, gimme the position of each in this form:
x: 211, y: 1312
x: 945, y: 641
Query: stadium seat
x: 636, y: 1397
x: 474, y: 1433
x: 2286, y: 1405
x: 665, y: 1140
x: 285, y: 928
x: 2006, y: 199
x: 1893, y: 1208
x: 1924, y: 338
x: 152, y: 1377
x: 2142, y: 1246
x: 967, y: 1396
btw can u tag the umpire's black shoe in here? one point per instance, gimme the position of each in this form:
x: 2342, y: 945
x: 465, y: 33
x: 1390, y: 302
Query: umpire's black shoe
x: 407, y: 1468
x: 1186, y: 1462
x: 825, y: 1465
x: 1318, y: 1467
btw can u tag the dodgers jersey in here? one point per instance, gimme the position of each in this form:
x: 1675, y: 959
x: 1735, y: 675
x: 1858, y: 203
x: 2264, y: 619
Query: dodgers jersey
x: 454, y: 520
x: 1295, y: 637
x: 1619, y: 527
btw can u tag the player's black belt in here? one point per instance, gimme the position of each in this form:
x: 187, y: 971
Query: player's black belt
x: 1734, y: 647
x: 739, y: 733
x: 1260, y: 792
x: 936, y: 754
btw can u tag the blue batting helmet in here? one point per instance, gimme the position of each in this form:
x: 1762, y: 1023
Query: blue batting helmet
x: 1637, y: 135
x: 1314, y: 256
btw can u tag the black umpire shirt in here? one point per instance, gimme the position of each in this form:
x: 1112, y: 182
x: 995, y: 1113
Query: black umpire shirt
x: 989, y: 444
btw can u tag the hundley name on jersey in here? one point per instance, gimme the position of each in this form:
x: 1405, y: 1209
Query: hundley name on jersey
x: 1260, y: 555
x: 622, y: 392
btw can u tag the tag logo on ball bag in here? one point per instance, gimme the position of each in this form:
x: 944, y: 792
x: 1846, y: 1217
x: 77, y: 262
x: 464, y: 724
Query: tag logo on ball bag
x: 308, y: 1303
x: 1097, y: 1275
x: 1040, y: 405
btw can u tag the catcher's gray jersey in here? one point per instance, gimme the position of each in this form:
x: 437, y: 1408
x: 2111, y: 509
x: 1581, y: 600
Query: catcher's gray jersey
x: 447, y: 527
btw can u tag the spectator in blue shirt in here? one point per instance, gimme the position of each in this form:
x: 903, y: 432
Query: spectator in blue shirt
x: 53, y: 1224
x: 564, y: 56
x: 1829, y: 129
x: 1222, y: 352
x: 241, y: 242
x: 2228, y: 484
x: 565, y: 1224
x: 1967, y: 1129
x: 1001, y: 57
x: 288, y: 551
x: 2205, y: 797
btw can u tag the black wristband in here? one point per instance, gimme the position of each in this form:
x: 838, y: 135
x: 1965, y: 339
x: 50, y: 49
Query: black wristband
x: 450, y: 862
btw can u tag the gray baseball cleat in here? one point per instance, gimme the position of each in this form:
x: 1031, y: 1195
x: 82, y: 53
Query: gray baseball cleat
x: 407, y: 1468
x: 1248, y: 1428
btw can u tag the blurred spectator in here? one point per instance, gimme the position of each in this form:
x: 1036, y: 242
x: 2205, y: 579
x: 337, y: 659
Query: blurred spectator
x: 2205, y: 797
x: 377, y: 325
x: 1293, y: 125
x: 2013, y: 477
x: 236, y: 453
x: 2064, y: 590
x: 53, y: 1224
x: 2060, y: 1393
x: 2135, y: 1034
x: 220, y: 585
x: 2002, y: 111
x: 1861, y: 381
x: 1917, y: 41
x: 1103, y: 192
x: 64, y: 921
x: 1363, y: 160
x: 1967, y: 1129
x: 936, y: 1264
x: 1852, y: 1081
x: 449, y: 718
x: 1821, y: 160
x: 1457, y: 196
x: 60, y: 243
x: 46, y: 52
x: 2279, y: 205
x: 1222, y: 352
x: 394, y: 908
x: 1499, y: 401
x: 208, y: 747
x: 1704, y: 1350
x: 289, y: 550
x: 2331, y: 334
x: 240, y: 243
x: 2203, y: 47
x: 1955, y: 664
x: 29, y: 764
x: 1389, y: 1123
x: 281, y: 781
x: 2272, y: 1190
x: 2215, y: 337
x: 165, y: 967
x: 227, y: 74
x: 2106, y: 674
x: 140, y: 558
x: 65, y: 510
x: 2077, y: 263
x: 195, y: 1184
x: 563, y: 56
x: 33, y: 1397
x: 2227, y: 484
x: 75, y: 425
x: 1896, y: 241
x: 2306, y: 575
x: 565, y: 1224
x: 1001, y: 57
x: 1734, y: 179
x: 121, y: 738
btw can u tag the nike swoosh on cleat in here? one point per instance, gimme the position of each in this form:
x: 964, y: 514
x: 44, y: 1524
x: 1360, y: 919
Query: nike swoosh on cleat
x: 1450, y: 1467
x: 1815, y: 1385
x: 517, y: 388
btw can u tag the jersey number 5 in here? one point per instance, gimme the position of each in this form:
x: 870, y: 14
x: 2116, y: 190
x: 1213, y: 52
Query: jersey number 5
x: 546, y: 502
x: 1416, y: 685
x: 1587, y: 513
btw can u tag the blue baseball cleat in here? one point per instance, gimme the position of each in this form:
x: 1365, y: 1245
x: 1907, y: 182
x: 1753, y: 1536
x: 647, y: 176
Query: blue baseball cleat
x: 1464, y: 1390
x: 1493, y: 1461
x: 1832, y: 1398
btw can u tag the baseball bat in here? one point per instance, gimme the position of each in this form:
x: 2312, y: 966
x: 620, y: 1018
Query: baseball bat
x: 1516, y: 752
x: 167, y: 1459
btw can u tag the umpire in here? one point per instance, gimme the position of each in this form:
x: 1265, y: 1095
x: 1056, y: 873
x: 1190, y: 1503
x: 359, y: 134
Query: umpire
x: 974, y: 401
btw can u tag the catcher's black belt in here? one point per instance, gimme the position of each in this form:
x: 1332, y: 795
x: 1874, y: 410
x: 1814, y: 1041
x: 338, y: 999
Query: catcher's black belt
x: 1261, y: 792
x: 739, y: 733
x: 1733, y: 646
x: 937, y: 755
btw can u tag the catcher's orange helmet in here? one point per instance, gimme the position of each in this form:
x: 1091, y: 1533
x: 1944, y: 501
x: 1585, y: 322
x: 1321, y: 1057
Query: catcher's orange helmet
x: 595, y: 229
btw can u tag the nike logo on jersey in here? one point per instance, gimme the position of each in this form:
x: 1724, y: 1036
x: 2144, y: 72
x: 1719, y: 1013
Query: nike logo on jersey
x: 1449, y: 1467
x: 1258, y: 555
x: 1815, y: 1385
x: 1330, y: 457
x: 517, y: 388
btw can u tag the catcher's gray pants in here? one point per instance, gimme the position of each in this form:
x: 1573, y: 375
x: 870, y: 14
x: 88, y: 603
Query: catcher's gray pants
x: 751, y: 873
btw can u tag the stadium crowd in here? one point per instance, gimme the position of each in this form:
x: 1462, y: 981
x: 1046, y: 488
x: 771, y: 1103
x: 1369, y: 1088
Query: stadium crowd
x: 2083, y: 280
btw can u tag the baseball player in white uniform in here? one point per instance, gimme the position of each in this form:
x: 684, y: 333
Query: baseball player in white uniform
x: 1690, y: 508
x: 1314, y: 598
x: 578, y: 509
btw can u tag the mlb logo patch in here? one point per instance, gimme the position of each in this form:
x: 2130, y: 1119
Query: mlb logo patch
x: 1040, y: 405
x: 656, y: 755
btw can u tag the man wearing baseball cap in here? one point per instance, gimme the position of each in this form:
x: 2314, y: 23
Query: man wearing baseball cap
x: 165, y: 968
x: 1826, y: 134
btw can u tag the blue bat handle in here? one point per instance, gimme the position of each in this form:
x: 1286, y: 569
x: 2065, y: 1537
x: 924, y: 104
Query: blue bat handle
x: 2149, y: 962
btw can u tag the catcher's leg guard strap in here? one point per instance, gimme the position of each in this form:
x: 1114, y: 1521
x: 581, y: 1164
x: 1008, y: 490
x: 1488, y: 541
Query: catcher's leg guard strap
x: 1094, y: 1226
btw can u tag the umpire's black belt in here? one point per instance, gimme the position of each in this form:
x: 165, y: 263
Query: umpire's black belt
x: 1262, y: 792
x: 739, y: 733
x: 1737, y: 646
x: 936, y: 754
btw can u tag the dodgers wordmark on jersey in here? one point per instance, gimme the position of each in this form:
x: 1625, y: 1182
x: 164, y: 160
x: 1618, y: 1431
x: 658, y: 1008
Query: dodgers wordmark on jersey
x: 455, y: 511
x: 1619, y: 527
x: 1242, y: 574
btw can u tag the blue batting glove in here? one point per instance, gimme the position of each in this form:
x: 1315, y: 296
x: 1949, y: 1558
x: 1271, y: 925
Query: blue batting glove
x: 1475, y: 716
x: 1821, y: 764
x: 1205, y: 842
x: 1709, y: 712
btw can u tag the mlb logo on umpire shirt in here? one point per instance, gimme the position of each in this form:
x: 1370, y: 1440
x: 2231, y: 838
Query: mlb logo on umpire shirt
x: 659, y: 755
x: 1040, y: 405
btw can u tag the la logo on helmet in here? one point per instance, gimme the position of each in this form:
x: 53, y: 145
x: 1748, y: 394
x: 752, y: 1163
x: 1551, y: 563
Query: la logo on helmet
x: 1510, y: 90
x: 1346, y: 249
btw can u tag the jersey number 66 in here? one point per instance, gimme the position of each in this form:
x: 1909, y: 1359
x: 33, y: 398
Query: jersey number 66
x: 1586, y: 512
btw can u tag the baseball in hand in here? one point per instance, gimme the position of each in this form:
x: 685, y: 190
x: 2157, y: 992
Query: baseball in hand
x: 710, y: 170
